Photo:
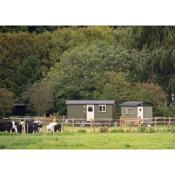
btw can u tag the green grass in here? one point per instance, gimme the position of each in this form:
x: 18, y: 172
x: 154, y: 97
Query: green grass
x: 89, y: 140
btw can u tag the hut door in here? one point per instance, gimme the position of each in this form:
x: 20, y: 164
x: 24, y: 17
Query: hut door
x: 90, y: 113
x: 140, y: 112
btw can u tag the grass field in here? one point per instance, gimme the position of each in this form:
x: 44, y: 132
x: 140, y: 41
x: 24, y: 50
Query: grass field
x: 88, y: 141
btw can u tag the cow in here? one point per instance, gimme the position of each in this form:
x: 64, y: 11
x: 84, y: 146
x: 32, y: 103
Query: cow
x: 50, y: 126
x: 57, y: 127
x: 53, y: 127
x: 35, y: 127
x: 30, y: 126
x: 9, y: 126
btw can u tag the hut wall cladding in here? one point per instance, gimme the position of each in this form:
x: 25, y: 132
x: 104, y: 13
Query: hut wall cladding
x: 79, y: 111
x: 107, y: 114
x: 76, y: 111
x: 147, y: 112
x: 132, y: 113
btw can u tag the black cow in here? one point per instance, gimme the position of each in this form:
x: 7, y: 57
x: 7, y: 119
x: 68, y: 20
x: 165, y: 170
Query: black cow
x: 9, y: 126
x: 57, y: 127
x: 33, y: 127
x: 19, y: 127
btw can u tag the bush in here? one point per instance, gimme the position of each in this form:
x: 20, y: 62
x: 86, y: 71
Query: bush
x: 81, y: 131
x: 172, y: 129
x: 142, y: 129
x: 152, y: 130
x: 117, y: 130
x: 164, y: 111
x: 104, y: 129
x: 113, y: 130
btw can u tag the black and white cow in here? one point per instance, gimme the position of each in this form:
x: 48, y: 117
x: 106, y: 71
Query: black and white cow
x: 57, y: 127
x: 54, y: 127
x: 30, y: 126
x: 9, y: 126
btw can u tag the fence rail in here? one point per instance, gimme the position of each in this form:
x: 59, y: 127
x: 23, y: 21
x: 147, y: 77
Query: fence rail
x: 81, y: 122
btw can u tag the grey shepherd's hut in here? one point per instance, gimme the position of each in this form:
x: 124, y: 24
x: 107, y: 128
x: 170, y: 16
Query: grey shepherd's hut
x: 136, y: 109
x: 91, y: 110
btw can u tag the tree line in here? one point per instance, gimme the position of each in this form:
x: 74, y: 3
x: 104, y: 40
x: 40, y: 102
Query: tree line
x: 48, y: 65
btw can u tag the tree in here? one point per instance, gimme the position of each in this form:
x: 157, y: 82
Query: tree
x: 17, y: 48
x: 27, y: 73
x: 6, y: 101
x: 149, y: 92
x: 115, y: 87
x: 97, y: 71
x: 41, y: 97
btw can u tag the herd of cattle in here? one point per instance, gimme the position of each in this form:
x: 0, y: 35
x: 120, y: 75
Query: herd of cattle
x: 28, y: 126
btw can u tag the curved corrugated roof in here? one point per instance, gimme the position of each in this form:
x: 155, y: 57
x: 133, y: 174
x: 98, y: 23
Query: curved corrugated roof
x: 73, y: 102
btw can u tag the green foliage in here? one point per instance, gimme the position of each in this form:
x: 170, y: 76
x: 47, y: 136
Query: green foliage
x: 149, y: 92
x: 27, y: 73
x: 5, y: 29
x: 172, y: 129
x: 81, y: 131
x: 112, y: 89
x: 142, y: 129
x: 164, y: 111
x: 152, y: 130
x: 6, y: 101
x: 40, y: 97
x: 87, y: 73
x: 121, y: 63
x: 118, y: 130
x: 104, y: 129
x: 16, y: 51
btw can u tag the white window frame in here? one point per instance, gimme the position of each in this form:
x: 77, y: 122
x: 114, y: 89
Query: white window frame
x: 102, y: 108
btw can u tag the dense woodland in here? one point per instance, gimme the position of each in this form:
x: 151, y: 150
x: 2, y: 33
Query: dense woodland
x: 44, y: 66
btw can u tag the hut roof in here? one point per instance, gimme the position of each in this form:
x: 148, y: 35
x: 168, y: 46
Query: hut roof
x: 89, y: 102
x: 135, y: 104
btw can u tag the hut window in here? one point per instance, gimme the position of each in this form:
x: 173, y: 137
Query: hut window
x: 90, y: 109
x: 102, y: 108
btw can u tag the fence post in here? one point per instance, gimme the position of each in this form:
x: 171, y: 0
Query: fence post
x: 73, y: 122
x: 164, y: 120
x: 62, y: 127
x: 139, y: 122
x: 109, y: 123
x: 121, y: 122
x: 94, y: 125
x: 155, y: 121
x: 169, y: 123
x: 27, y: 128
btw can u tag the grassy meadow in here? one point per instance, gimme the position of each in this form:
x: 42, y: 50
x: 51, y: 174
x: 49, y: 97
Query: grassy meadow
x: 159, y: 138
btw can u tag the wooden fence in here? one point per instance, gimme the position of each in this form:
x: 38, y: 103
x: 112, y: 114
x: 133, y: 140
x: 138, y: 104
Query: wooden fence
x: 44, y: 120
x: 122, y: 121
x: 147, y: 121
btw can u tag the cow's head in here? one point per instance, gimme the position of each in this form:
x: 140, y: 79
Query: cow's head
x: 39, y: 123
